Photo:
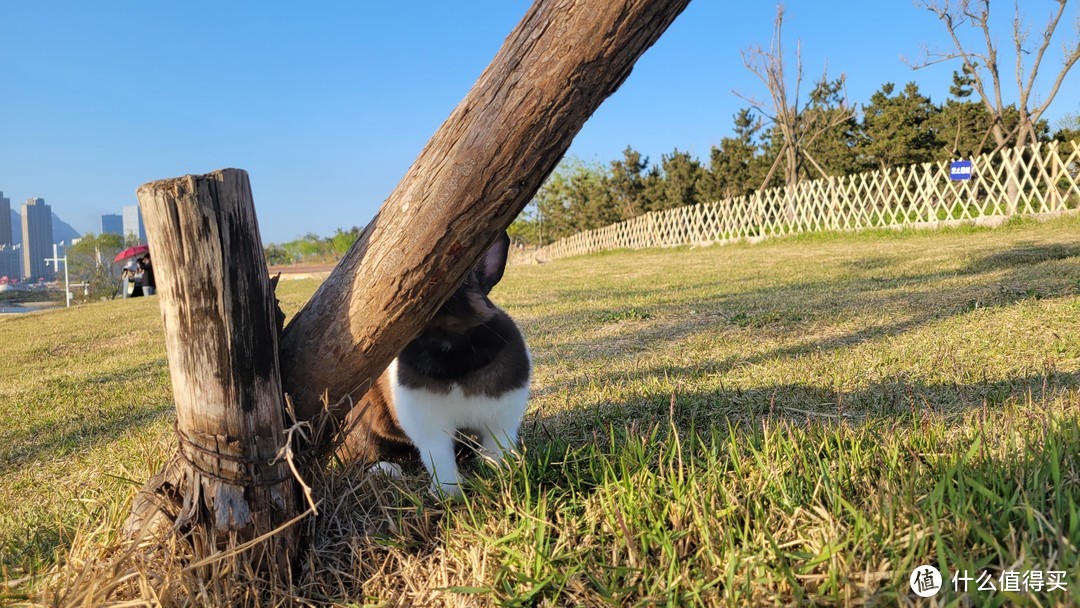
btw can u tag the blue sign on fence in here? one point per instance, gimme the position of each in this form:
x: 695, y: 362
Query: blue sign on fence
x: 960, y: 170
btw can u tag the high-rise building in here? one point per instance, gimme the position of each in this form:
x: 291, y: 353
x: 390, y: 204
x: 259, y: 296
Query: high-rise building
x: 37, y: 239
x: 9, y: 258
x: 6, y: 235
x: 112, y: 224
x: 133, y: 224
x: 10, y: 266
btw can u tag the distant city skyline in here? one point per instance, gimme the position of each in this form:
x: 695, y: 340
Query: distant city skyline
x: 30, y: 221
x: 10, y: 262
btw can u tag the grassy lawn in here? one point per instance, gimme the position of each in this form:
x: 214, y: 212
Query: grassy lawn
x: 800, y: 421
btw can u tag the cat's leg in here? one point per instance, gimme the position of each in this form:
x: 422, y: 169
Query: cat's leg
x: 435, y: 441
x: 500, y: 434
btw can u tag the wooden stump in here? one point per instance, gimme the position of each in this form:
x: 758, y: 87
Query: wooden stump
x: 221, y: 335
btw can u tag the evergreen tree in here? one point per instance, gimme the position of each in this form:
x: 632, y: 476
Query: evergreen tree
x: 575, y: 197
x: 524, y: 229
x: 898, y: 129
x: 626, y: 183
x: 684, y: 180
x: 736, y: 167
x: 1068, y: 128
x: 552, y: 203
x: 965, y: 129
x: 592, y: 201
x: 654, y: 192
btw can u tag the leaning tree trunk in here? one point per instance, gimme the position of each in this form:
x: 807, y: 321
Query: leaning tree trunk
x: 221, y: 336
x: 476, y: 174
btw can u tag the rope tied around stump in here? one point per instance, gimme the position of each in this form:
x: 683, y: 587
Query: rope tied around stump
x: 243, y: 471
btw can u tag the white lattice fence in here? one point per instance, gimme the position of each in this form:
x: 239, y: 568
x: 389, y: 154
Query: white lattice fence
x: 1039, y: 179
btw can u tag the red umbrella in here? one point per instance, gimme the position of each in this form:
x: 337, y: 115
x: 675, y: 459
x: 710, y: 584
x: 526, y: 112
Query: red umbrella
x: 131, y: 252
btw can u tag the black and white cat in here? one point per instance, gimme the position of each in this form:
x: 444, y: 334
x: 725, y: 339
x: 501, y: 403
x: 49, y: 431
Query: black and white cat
x: 466, y: 373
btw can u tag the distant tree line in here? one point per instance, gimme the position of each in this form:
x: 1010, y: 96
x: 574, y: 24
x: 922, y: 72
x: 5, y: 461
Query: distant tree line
x: 899, y: 126
x: 312, y: 248
x: 785, y: 138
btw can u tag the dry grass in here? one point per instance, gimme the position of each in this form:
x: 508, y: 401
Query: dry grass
x: 795, y: 422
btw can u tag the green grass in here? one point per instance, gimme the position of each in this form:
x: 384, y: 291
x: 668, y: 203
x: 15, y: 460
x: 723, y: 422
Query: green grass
x: 799, y: 421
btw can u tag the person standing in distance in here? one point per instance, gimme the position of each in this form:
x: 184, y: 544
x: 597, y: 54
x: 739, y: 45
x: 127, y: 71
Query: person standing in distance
x: 148, y: 284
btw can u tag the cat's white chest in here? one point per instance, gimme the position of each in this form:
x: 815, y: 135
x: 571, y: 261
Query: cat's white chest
x: 417, y: 409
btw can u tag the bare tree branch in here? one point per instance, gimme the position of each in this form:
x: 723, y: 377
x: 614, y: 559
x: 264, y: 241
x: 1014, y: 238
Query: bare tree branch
x: 952, y: 19
x: 1068, y: 61
x: 772, y: 171
x: 788, y: 111
x: 810, y: 157
x: 757, y: 105
x: 983, y: 65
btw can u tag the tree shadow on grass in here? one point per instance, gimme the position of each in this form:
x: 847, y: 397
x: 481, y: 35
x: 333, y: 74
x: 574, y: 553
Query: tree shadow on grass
x: 899, y: 401
x: 35, y: 544
x: 414, y: 531
x: 1024, y: 255
x: 785, y: 312
x: 87, y: 410
x: 146, y: 369
x: 417, y: 531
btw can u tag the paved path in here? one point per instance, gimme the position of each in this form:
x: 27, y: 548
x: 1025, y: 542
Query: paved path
x: 302, y: 271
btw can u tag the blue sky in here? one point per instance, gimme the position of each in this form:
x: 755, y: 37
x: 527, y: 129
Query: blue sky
x: 327, y: 104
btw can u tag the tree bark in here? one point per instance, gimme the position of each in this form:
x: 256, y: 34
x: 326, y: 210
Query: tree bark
x: 221, y: 337
x: 474, y: 176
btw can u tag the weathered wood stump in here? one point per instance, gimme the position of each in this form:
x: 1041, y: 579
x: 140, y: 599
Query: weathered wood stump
x: 221, y: 335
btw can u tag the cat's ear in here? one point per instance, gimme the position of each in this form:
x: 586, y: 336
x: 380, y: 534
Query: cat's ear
x: 490, y: 268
